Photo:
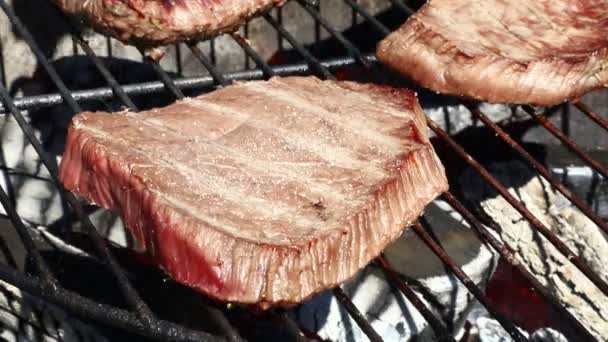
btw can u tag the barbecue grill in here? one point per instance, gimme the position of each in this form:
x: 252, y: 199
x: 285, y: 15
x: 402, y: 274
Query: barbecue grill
x: 348, y: 58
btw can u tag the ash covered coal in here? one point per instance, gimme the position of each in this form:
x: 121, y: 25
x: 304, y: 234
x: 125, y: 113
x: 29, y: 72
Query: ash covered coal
x: 550, y: 268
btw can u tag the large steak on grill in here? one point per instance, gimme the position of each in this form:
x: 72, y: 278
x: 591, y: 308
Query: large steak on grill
x: 159, y: 22
x: 519, y: 51
x: 262, y: 192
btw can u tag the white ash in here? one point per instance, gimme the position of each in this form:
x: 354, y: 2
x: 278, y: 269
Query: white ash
x: 489, y: 330
x: 389, y: 312
x: 552, y: 269
x: 484, y: 328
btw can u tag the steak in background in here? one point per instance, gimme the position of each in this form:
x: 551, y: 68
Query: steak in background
x: 263, y: 192
x: 161, y: 22
x: 537, y: 52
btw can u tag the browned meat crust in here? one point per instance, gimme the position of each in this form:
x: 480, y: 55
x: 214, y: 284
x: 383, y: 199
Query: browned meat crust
x: 538, y: 52
x: 262, y: 192
x: 160, y: 22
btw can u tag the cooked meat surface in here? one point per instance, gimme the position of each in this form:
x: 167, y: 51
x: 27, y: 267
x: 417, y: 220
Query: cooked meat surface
x: 159, y: 22
x: 262, y: 192
x: 518, y: 51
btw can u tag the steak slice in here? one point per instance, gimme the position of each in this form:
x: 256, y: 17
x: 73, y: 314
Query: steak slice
x: 538, y: 52
x: 262, y: 192
x: 160, y: 22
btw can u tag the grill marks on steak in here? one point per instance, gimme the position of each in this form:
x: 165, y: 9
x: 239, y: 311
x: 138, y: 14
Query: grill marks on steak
x: 160, y: 22
x: 539, y: 52
x: 262, y: 192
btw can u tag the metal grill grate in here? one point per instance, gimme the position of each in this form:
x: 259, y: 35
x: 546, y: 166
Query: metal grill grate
x: 140, y: 319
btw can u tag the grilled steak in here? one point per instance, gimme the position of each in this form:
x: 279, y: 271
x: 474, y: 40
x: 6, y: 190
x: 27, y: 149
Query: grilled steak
x: 262, y: 192
x: 159, y: 22
x: 539, y: 52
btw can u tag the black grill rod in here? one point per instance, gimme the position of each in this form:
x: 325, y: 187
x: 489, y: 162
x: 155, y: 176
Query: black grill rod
x: 351, y: 49
x: 591, y: 114
x: 466, y: 281
x: 484, y: 235
x: 259, y: 61
x: 520, y: 207
x: 106, y: 314
x: 105, y: 73
x: 361, y: 321
x: 370, y: 18
x: 162, y: 75
x: 577, y: 201
x: 313, y: 62
x: 33, y: 253
x: 291, y: 326
x: 126, y: 288
x: 438, y: 327
x: 570, y: 144
x: 403, y: 7
x: 27, y: 37
x: 199, y: 82
x: 217, y: 76
x: 178, y: 59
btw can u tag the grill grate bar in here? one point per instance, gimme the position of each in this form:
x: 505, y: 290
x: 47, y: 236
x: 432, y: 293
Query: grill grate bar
x: 403, y: 7
x: 103, y: 313
x: 314, y: 63
x: 375, y: 23
x: 31, y: 42
x: 577, y: 201
x: 483, y: 233
x: 217, y: 76
x: 394, y: 278
x: 220, y: 321
x: 546, y: 232
x: 466, y: 281
x: 592, y: 115
x: 292, y: 327
x: 163, y: 76
x: 363, y: 323
x: 570, y: 144
x: 24, y: 235
x: 105, y: 73
x: 251, y: 53
x: 178, y: 58
x: 126, y: 288
x: 201, y: 82
x: 351, y: 49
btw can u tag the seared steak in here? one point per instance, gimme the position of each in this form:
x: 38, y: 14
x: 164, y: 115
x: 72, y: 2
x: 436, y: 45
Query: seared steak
x: 538, y: 52
x: 159, y: 22
x: 262, y: 192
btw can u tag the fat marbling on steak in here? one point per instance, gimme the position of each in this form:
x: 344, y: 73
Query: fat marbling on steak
x: 517, y: 51
x: 262, y: 192
x: 159, y: 22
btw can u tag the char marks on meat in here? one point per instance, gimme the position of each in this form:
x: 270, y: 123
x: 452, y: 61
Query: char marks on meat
x: 265, y: 191
x: 160, y: 22
x: 518, y: 51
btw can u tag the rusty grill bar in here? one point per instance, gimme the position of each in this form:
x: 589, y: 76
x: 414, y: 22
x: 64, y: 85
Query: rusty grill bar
x: 141, y: 319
